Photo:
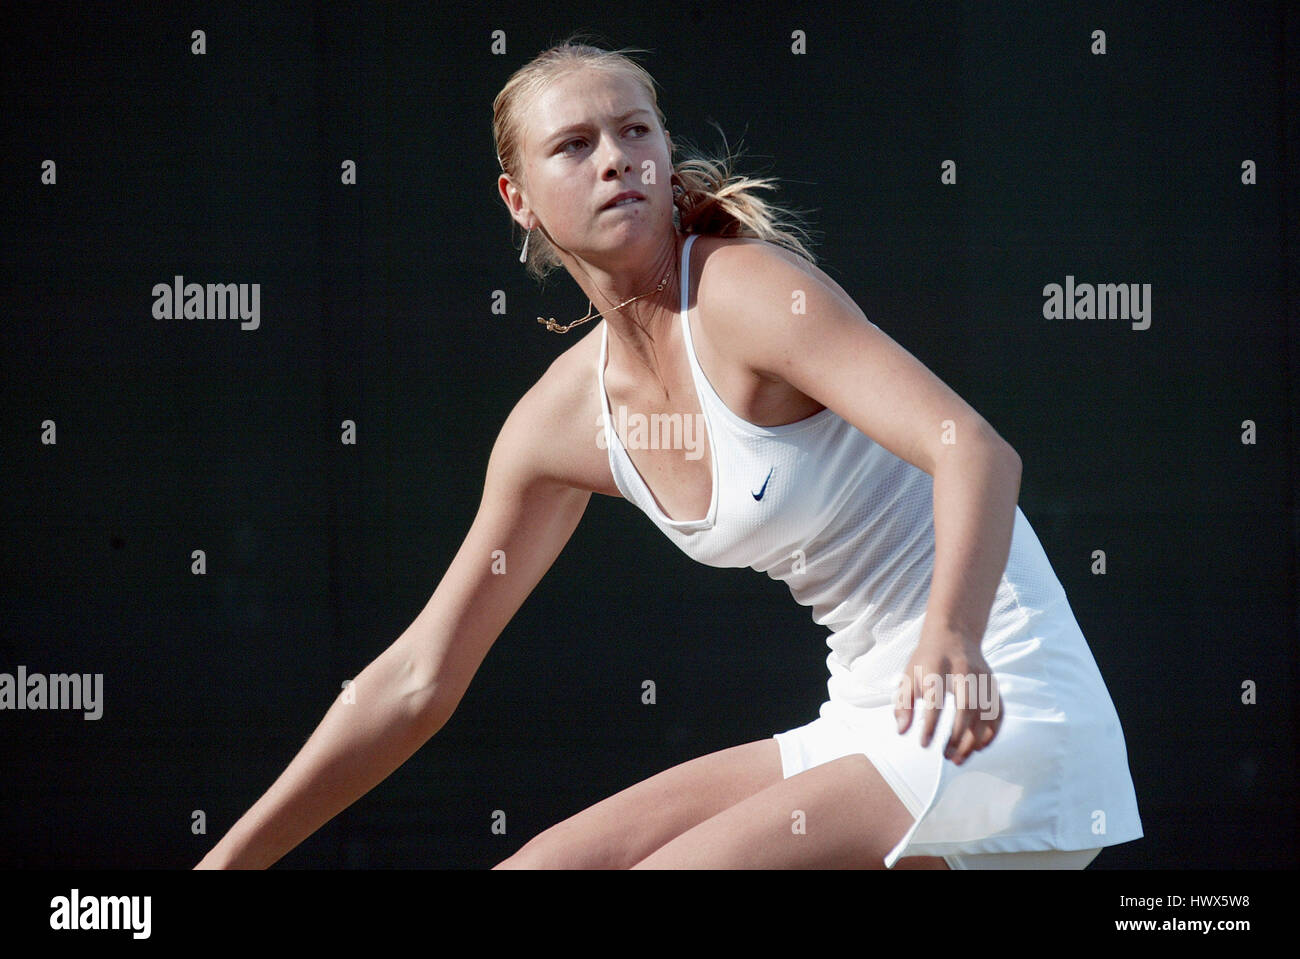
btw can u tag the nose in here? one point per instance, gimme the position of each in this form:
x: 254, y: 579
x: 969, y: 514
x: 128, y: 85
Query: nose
x: 616, y: 162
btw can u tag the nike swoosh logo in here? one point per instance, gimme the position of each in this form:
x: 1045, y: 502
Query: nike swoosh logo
x: 759, y: 494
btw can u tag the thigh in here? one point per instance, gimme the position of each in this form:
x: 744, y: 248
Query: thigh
x: 839, y: 815
x: 620, y: 831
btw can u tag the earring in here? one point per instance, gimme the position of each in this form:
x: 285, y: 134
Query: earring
x: 523, y: 257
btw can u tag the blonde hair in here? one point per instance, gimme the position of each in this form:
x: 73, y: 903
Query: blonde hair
x: 708, y: 196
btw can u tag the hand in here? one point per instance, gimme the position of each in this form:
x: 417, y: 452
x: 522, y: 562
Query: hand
x: 947, y: 661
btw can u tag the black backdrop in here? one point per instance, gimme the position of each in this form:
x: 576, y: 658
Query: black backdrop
x: 176, y: 435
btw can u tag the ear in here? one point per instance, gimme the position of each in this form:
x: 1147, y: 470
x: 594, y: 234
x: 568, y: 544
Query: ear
x: 514, y: 199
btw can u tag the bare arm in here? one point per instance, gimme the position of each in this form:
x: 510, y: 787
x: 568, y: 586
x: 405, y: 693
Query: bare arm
x: 410, y: 691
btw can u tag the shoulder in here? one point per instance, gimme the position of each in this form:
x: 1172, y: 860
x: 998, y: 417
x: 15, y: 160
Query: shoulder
x: 551, y: 433
x: 731, y: 253
x: 569, y: 382
x: 750, y: 291
x: 739, y: 271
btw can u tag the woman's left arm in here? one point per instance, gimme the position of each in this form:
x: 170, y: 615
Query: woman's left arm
x: 786, y: 318
x: 976, y: 486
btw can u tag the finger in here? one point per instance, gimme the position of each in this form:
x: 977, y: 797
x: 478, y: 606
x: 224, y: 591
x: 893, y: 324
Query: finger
x: 986, y: 730
x: 961, y: 747
x: 903, y: 704
x: 993, y: 710
x: 929, y: 719
x: 960, y: 688
x: 961, y: 725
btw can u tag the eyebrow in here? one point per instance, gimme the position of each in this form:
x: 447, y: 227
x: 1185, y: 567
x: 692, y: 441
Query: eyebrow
x: 574, y: 127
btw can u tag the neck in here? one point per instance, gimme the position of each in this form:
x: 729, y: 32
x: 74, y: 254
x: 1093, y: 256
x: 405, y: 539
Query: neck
x: 640, y: 329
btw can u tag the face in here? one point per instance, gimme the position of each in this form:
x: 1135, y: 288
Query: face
x: 590, y: 136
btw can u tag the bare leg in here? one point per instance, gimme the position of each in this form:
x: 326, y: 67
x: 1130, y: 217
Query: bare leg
x: 620, y: 831
x: 704, y: 812
x: 839, y: 815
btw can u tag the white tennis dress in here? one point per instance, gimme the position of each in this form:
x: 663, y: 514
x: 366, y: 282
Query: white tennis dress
x: 849, y: 527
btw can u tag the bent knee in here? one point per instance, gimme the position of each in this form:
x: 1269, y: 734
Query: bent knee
x: 530, y: 856
x: 552, y: 850
x: 520, y: 860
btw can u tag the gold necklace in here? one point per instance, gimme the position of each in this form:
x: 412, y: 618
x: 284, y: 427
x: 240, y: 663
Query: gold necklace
x: 557, y: 328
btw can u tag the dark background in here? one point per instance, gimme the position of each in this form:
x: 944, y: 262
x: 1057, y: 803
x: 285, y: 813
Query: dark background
x: 176, y: 435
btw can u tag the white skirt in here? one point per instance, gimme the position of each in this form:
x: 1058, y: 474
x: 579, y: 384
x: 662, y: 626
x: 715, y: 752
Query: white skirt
x: 1054, y: 781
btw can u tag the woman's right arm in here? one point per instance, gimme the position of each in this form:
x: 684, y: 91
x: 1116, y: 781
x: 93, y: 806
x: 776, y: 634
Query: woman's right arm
x: 410, y: 691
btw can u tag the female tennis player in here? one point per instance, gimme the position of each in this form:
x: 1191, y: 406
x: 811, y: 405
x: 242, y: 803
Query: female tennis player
x: 966, y: 724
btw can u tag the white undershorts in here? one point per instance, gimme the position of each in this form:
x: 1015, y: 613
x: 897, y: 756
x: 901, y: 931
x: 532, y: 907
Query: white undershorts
x: 824, y: 740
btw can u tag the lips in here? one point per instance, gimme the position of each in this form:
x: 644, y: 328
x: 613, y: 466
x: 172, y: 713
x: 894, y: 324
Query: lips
x: 626, y: 195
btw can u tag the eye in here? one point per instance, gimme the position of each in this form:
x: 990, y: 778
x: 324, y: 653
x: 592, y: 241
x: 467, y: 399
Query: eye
x: 564, y: 147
